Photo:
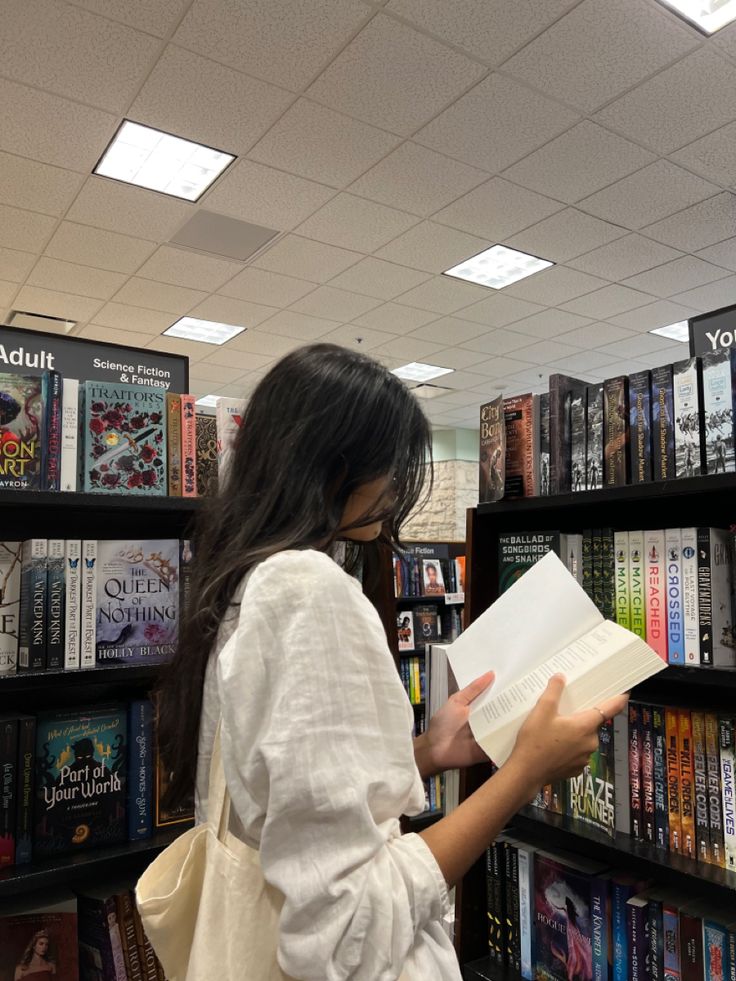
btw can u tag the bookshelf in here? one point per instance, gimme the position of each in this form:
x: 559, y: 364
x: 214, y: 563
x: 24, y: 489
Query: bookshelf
x: 707, y: 500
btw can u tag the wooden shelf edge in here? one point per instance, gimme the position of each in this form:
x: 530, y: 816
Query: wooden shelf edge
x: 116, y: 674
x: 103, y: 502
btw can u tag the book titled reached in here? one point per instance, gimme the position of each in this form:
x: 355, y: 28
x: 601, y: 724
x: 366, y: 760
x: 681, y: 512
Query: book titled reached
x: 544, y: 625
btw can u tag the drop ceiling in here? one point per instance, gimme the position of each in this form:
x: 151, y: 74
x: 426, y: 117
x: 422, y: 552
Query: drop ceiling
x: 385, y: 142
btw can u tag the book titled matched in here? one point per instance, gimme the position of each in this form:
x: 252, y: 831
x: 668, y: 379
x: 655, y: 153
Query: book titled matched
x: 566, y: 635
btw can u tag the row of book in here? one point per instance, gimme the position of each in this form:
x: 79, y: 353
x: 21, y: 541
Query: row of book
x: 413, y: 678
x: 70, y: 604
x: 414, y: 576
x: 672, y: 587
x: 92, y: 933
x: 427, y: 624
x: 555, y: 917
x: 62, y: 435
x: 674, y: 421
x: 79, y: 778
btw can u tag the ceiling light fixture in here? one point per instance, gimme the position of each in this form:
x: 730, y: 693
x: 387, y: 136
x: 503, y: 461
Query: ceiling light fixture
x: 497, y: 267
x: 676, y: 332
x: 206, y: 331
x: 208, y: 401
x: 419, y: 372
x: 161, y: 162
x: 708, y: 16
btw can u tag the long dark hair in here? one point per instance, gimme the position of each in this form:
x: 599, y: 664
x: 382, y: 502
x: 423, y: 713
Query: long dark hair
x: 324, y: 421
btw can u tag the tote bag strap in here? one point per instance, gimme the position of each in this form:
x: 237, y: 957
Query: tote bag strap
x: 218, y: 797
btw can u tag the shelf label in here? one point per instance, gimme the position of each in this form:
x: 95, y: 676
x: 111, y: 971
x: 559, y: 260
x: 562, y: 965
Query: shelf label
x: 454, y: 599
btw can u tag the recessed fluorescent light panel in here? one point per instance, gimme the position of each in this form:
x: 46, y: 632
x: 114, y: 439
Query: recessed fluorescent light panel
x: 497, y: 267
x: 676, y: 332
x: 161, y: 162
x: 208, y: 401
x: 708, y: 15
x: 206, y: 331
x: 419, y: 372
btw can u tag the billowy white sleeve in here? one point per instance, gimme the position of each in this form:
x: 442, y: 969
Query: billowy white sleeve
x: 318, y: 757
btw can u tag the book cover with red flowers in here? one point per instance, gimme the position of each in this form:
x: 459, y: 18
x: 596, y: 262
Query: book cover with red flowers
x: 137, y: 617
x: 124, y: 432
x: 21, y: 429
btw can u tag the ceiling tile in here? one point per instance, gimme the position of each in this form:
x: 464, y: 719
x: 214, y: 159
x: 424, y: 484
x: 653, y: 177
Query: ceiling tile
x: 262, y: 342
x: 354, y: 223
x: 497, y: 209
x: 607, y: 302
x: 449, y: 330
x: 469, y: 129
x: 424, y: 77
x: 500, y: 368
x: 722, y: 254
x: 120, y: 316
x: 487, y: 29
x: 326, y: 146
x: 102, y: 249
x: 626, y: 256
x: 36, y: 186
x: 374, y: 277
x: 710, y: 297
x: 579, y: 162
x: 262, y: 286
x: 73, y: 53
x: 154, y: 18
x: 179, y: 267
x: 129, y: 210
x: 52, y: 274
x: 288, y: 323
x: 395, y: 319
x: 334, y: 304
x: 713, y: 156
x: 356, y: 338
x: 33, y: 299
x: 500, y: 309
x: 546, y: 351
x: 583, y: 361
x: 286, y: 43
x: 596, y: 335
x: 432, y: 247
x: 636, y: 347
x: 14, y: 265
x: 676, y: 276
x: 110, y: 335
x: 267, y: 197
x: 499, y: 342
x: 226, y: 310
x: 442, y: 295
x: 418, y: 180
x: 565, y: 235
x: 158, y: 296
x: 549, y: 323
x: 7, y: 292
x: 226, y: 356
x: 677, y: 106
x: 305, y: 259
x: 24, y: 230
x: 625, y: 367
x: 455, y: 398
x: 599, y: 50
x: 553, y: 286
x: 213, y: 111
x: 701, y: 225
x: 194, y: 350
x: 457, y: 358
x: 410, y: 349
x: 64, y: 133
x: 658, y: 314
x: 217, y: 372
x: 658, y: 190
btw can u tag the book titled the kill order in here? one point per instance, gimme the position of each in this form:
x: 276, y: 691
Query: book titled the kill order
x: 567, y: 635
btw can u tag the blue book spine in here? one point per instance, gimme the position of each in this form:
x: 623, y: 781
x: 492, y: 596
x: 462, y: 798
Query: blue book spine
x: 715, y: 943
x: 675, y: 611
x: 140, y: 770
x: 671, y: 931
x: 51, y: 429
x: 599, y: 909
x: 621, y: 893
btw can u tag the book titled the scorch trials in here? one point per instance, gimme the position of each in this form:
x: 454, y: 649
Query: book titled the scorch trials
x: 137, y: 601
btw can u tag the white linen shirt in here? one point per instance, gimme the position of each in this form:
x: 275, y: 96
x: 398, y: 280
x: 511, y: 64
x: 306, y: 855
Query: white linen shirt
x: 318, y: 757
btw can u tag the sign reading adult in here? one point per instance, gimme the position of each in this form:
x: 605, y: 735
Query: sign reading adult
x: 713, y: 331
x: 29, y: 351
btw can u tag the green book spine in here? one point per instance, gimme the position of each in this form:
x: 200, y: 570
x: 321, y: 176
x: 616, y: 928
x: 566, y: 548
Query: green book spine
x: 598, y: 568
x: 588, y: 562
x: 621, y: 573
x: 607, y: 574
x: 636, y: 584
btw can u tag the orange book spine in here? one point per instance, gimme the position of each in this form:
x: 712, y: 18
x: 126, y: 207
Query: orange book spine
x: 687, y: 784
x: 671, y: 728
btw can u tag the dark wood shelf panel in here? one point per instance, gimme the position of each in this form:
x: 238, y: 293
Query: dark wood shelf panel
x: 429, y: 600
x: 119, y: 674
x: 485, y: 970
x: 64, y: 502
x: 106, y: 861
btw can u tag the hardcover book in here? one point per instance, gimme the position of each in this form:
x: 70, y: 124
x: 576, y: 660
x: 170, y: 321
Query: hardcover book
x: 8, y: 782
x: 137, y: 619
x: 616, y: 425
x: 686, y: 402
x: 519, y: 423
x: 608, y: 568
x: 72, y: 603
x: 544, y: 454
x: 34, y: 582
x: 173, y: 443
x: 594, y: 437
x: 81, y: 762
x: 591, y: 796
x: 24, y: 788
x: 663, y: 425
x: 718, y: 434
x: 562, y: 391
x: 690, y: 609
x: 206, y: 456
x: 10, y: 576
x: 675, y: 606
x: 433, y: 583
x: 188, y: 446
x: 51, y: 441
x: 21, y: 431
x: 518, y: 551
x: 229, y: 417
x: 140, y: 769
x: 88, y: 611
x: 55, y: 594
x: 69, y: 434
x: 714, y: 598
x: 39, y: 940
x: 426, y: 625
x: 578, y: 441
x: 492, y: 452
x: 640, y: 419
x: 124, y: 449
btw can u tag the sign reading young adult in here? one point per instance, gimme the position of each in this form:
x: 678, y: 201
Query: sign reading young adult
x: 713, y: 331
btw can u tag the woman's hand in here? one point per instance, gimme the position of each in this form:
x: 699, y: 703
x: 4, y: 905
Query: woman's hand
x: 448, y: 741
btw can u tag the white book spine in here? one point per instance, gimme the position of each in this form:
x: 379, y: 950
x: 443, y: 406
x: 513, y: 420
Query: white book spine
x: 621, y: 572
x: 69, y: 434
x: 690, y: 610
x: 88, y: 653
x: 724, y: 655
x: 526, y: 898
x: 636, y: 584
x: 675, y: 619
x: 622, y: 791
x: 727, y: 792
x: 72, y: 618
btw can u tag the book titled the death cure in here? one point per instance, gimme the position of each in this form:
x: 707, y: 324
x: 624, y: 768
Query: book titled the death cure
x: 80, y: 795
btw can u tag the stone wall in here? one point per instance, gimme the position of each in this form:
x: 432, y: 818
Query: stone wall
x: 442, y: 519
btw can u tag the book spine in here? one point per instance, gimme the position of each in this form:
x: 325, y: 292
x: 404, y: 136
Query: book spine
x: 8, y: 782
x: 663, y: 432
x: 24, y: 810
x: 72, y: 603
x: 188, y: 446
x: 140, y: 770
x: 93, y: 931
x: 621, y: 573
x: 69, y: 434
x: 640, y: 418
x: 687, y: 784
x: 510, y: 933
x: 731, y: 939
x: 599, y: 913
x: 598, y: 568
x: 722, y: 599
x: 620, y: 895
x: 647, y: 774
x: 145, y: 951
x: 51, y: 453
x: 11, y: 565
x: 725, y: 745
x: 622, y: 789
x: 705, y: 597
x: 690, y: 590
x: 526, y: 921
x: 718, y: 433
x: 516, y: 908
x: 688, y: 422
x: 536, y: 446
x: 594, y: 437
x: 34, y: 582
x: 671, y: 929
x: 715, y: 951
x: 656, y: 940
x: 55, y: 593
x: 715, y: 806
x: 588, y: 562
x: 88, y: 630
x: 608, y: 563
x: 636, y: 584
x: 126, y: 922
x: 174, y: 443
x: 700, y: 785
x: 498, y: 924
x: 691, y: 947
x: 489, y: 898
x: 615, y: 414
x: 655, y: 592
x: 635, y: 779
x: 544, y: 448
x: 661, y: 813
x: 578, y: 439
x: 672, y: 727
x: 637, y: 922
x: 675, y: 619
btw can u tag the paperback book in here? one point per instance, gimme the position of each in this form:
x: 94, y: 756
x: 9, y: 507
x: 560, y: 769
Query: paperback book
x: 229, y: 418
x: 591, y: 796
x: 21, y: 431
x: 578, y: 441
x: 206, y: 450
x: 640, y: 419
x: 594, y: 437
x: 10, y: 577
x: 519, y: 423
x: 616, y: 424
x: 663, y: 425
x: 718, y: 431
x: 562, y: 390
x: 492, y: 452
x: 544, y: 454
x: 38, y: 940
x: 686, y: 403
x: 517, y: 552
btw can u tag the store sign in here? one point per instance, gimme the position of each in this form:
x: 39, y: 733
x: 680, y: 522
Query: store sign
x: 713, y: 331
x: 29, y: 351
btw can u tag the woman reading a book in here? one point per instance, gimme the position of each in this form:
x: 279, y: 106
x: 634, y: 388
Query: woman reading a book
x: 283, y: 650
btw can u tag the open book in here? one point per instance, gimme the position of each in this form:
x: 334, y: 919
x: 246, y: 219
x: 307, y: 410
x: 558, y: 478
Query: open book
x: 545, y: 624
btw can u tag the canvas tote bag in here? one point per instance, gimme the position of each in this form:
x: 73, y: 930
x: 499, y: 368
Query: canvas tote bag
x: 205, y: 905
